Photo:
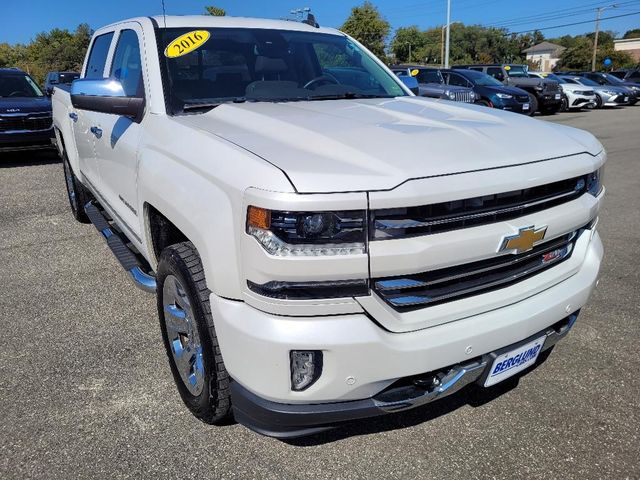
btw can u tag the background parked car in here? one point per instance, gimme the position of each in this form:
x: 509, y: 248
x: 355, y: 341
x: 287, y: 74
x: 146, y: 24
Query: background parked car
x: 574, y: 96
x: 628, y: 74
x: 546, y: 96
x: 606, y: 95
x: 611, y: 80
x: 25, y: 113
x: 489, y: 91
x: 432, y: 84
x: 58, y: 78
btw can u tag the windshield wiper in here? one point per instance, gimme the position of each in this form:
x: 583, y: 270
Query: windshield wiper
x: 188, y: 107
x: 347, y: 96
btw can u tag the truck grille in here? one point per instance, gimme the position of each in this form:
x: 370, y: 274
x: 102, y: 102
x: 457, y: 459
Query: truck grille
x: 553, y: 87
x: 522, y: 98
x: 441, y: 217
x: 28, y: 121
x: 463, y: 97
x: 421, y: 290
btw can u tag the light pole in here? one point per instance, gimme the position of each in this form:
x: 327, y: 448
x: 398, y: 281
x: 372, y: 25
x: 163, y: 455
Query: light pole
x: 442, y: 29
x: 599, y: 11
x: 446, y: 54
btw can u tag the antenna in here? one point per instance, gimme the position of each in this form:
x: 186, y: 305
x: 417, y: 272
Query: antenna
x: 164, y: 14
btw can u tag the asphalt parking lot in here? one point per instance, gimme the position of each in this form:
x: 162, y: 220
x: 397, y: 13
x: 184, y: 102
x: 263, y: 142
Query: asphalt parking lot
x: 86, y: 390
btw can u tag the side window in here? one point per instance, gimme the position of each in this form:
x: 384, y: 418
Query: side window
x: 457, y: 80
x: 496, y: 73
x: 477, y: 69
x: 126, y: 65
x: 98, y: 56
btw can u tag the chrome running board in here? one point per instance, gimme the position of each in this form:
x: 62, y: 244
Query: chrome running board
x: 123, y: 254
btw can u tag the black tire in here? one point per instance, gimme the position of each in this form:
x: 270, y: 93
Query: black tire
x: 598, y: 101
x: 77, y: 193
x: 213, y: 404
x: 533, y: 105
x: 564, y: 106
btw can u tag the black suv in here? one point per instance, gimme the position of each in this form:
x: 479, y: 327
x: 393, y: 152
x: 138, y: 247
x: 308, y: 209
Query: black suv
x: 628, y: 74
x: 546, y: 95
x: 58, y: 78
x: 489, y: 91
x: 25, y: 113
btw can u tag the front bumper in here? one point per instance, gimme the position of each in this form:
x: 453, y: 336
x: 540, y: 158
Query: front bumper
x: 361, y: 359
x: 295, y: 420
x: 27, y: 140
x: 550, y: 99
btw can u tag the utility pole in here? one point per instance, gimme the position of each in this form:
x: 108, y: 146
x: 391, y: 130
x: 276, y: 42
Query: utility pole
x: 599, y: 11
x: 446, y: 53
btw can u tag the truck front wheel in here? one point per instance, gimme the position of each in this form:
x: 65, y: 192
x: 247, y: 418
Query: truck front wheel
x: 189, y: 335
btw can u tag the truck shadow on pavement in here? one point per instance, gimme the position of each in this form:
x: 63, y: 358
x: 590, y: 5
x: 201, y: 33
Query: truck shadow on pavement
x: 472, y: 395
x: 28, y: 158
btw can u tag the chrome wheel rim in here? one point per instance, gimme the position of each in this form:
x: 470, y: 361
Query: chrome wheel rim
x: 182, y: 334
x: 70, y: 187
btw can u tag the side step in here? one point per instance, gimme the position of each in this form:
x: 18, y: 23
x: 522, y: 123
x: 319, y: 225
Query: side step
x: 123, y: 254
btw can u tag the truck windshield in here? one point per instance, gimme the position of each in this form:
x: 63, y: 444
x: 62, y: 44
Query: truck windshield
x: 19, y: 86
x: 265, y: 65
x: 516, y: 71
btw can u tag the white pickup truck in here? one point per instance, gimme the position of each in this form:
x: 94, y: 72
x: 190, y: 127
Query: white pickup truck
x: 323, y: 244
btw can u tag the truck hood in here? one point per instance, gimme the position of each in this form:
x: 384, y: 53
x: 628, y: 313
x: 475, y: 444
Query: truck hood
x: 24, y: 104
x: 377, y: 144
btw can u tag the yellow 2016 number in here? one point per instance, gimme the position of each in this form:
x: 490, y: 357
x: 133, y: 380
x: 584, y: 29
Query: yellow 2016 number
x: 186, y: 43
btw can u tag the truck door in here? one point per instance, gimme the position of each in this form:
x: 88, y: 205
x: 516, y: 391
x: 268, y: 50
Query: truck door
x: 81, y: 120
x: 117, y: 145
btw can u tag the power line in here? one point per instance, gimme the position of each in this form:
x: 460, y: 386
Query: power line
x: 571, y: 24
x: 585, y: 7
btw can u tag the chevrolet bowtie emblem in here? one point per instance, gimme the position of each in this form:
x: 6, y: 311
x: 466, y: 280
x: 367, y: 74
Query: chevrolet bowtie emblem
x: 524, y: 240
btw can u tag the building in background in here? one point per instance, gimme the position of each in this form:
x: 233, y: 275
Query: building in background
x: 629, y: 45
x: 545, y: 54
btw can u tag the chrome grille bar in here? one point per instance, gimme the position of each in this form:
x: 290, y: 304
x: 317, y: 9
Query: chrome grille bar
x: 446, y: 216
x: 430, y: 288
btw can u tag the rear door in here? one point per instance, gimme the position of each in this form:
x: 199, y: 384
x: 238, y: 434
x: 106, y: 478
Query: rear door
x: 117, y: 146
x: 82, y: 120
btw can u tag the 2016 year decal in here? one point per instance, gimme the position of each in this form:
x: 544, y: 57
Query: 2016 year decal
x: 186, y: 43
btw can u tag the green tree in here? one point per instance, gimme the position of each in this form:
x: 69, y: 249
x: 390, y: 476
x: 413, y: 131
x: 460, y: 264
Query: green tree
x: 366, y: 25
x: 54, y: 50
x: 215, y: 11
x: 633, y: 33
x: 407, y: 42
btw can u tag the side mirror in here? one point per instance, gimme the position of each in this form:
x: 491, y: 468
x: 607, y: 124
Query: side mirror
x: 105, y: 95
x: 411, y: 83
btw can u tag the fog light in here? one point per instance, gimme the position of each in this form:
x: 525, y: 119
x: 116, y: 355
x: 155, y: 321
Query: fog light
x: 306, y: 367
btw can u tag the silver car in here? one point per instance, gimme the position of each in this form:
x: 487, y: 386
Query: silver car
x: 606, y: 95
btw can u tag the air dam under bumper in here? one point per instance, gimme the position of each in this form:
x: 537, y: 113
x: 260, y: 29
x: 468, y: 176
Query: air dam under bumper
x: 282, y: 420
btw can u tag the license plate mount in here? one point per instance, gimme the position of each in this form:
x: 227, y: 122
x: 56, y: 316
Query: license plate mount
x: 516, y: 360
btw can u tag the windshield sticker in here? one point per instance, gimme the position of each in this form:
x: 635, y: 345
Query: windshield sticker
x: 186, y: 43
x: 415, y: 72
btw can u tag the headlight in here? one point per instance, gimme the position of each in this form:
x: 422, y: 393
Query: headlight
x: 610, y: 92
x: 504, y: 95
x: 308, y: 233
x: 539, y: 88
x: 594, y: 182
x: 450, y: 94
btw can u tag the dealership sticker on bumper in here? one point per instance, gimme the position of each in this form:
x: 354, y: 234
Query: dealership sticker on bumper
x: 557, y: 96
x: 515, y: 361
x: 525, y: 106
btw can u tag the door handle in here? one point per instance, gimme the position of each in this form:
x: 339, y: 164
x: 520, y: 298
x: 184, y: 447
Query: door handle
x: 73, y: 116
x: 96, y: 131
